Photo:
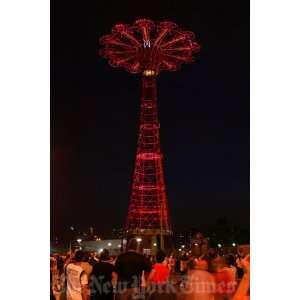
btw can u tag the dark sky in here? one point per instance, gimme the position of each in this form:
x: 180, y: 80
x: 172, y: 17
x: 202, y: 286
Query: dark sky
x: 203, y: 110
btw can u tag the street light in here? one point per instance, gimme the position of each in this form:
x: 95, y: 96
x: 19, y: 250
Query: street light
x: 138, y: 240
x: 154, y: 244
x: 233, y: 244
x: 219, y: 246
x: 79, y: 240
x: 182, y: 246
x: 109, y: 244
x: 100, y: 250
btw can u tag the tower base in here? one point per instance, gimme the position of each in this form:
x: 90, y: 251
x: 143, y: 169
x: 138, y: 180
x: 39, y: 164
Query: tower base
x: 151, y: 240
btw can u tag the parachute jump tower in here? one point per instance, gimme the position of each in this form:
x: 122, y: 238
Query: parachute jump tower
x: 148, y: 48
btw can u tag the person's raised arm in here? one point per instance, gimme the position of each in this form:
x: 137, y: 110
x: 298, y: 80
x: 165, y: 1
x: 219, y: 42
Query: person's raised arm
x: 85, y: 292
x: 84, y: 286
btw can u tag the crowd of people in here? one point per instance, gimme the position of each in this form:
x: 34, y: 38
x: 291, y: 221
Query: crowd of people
x: 132, y: 275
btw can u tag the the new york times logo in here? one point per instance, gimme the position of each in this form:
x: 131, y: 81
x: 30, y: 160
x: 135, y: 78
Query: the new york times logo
x: 98, y: 285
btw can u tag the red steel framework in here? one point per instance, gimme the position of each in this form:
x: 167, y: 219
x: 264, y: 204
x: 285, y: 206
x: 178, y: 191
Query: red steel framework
x: 147, y: 47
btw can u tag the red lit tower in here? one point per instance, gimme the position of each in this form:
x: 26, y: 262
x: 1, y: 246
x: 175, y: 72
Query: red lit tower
x: 147, y: 47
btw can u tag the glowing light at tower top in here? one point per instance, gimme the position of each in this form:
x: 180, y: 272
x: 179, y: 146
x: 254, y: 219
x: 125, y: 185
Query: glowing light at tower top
x: 148, y: 47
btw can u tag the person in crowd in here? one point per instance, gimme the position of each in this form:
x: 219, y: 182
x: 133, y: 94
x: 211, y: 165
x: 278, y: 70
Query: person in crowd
x: 243, y: 290
x: 224, y: 284
x: 77, y: 279
x: 130, y: 267
x: 94, y: 258
x: 51, y: 291
x: 103, y: 278
x: 160, y: 272
x: 200, y: 284
x: 230, y: 267
x: 85, y: 265
x: 241, y: 255
x: 184, y: 263
x: 113, y: 259
x: 177, y: 264
x: 52, y: 270
x: 59, y: 279
x: 183, y: 268
x: 158, y: 281
x: 171, y: 262
x: 67, y: 260
x: 211, y: 254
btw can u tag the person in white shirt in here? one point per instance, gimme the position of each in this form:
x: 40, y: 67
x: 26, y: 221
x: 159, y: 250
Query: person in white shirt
x: 77, y: 279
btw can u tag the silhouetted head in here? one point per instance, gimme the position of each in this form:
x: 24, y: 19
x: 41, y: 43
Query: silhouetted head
x: 218, y: 263
x: 229, y: 260
x: 105, y: 255
x: 79, y: 256
x: 160, y: 256
x: 86, y: 257
x: 132, y: 245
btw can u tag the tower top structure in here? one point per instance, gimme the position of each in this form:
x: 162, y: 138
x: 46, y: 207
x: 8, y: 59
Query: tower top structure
x: 148, y: 47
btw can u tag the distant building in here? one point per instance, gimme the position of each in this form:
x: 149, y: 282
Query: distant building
x: 179, y: 239
x: 117, y: 233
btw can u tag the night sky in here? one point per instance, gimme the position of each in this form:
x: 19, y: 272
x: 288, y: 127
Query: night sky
x: 203, y: 111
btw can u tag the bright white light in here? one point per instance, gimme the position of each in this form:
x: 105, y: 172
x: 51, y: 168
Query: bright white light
x: 196, y: 244
x: 233, y: 244
x: 138, y: 240
x: 179, y: 249
x: 219, y: 245
x: 100, y: 250
x: 182, y: 246
x: 154, y: 244
x: 109, y: 244
x: 119, y: 245
x: 79, y: 240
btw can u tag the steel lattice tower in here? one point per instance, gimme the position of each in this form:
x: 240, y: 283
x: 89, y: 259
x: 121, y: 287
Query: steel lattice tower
x: 148, y: 48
